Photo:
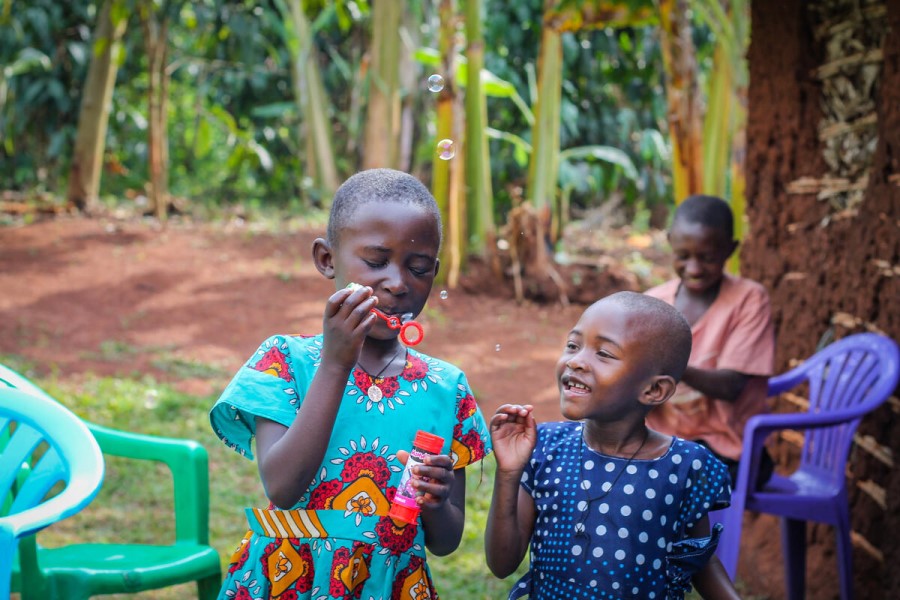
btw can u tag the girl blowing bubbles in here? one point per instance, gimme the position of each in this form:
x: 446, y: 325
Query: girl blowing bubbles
x: 333, y: 416
x: 610, y: 508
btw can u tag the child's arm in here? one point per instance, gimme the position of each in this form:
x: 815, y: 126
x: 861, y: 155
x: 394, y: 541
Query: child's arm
x: 512, y: 513
x: 289, y: 457
x: 721, y: 384
x: 712, y: 580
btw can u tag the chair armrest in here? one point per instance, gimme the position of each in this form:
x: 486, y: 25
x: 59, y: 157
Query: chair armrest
x: 769, y: 422
x: 187, y: 460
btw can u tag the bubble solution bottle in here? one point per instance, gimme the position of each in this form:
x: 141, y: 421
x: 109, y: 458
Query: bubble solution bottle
x: 404, y: 507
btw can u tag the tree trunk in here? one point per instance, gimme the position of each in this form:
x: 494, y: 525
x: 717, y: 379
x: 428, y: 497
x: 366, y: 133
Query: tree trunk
x: 831, y: 271
x: 479, y: 199
x: 311, y: 100
x: 446, y: 175
x: 543, y: 169
x: 683, y: 95
x: 156, y: 46
x: 96, y: 100
x: 383, y: 113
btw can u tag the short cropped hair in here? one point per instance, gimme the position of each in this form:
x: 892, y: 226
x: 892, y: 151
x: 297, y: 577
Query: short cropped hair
x: 665, y: 332
x: 709, y: 211
x: 377, y: 185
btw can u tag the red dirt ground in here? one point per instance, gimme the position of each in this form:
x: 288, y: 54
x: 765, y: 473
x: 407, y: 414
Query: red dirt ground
x: 118, y: 298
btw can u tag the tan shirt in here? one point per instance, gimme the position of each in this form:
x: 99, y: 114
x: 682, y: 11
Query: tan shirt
x: 735, y: 333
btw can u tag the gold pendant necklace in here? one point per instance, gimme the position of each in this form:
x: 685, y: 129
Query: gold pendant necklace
x: 374, y: 392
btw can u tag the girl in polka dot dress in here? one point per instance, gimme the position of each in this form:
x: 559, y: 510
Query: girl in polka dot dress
x: 608, y: 507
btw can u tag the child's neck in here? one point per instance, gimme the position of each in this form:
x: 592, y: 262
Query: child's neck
x: 694, y: 305
x: 619, y: 440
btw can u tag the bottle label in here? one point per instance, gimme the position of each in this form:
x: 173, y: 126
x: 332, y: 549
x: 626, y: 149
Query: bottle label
x: 406, y: 494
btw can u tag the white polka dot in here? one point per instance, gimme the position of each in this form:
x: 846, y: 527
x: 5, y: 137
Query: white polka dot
x: 647, y: 515
x: 635, y: 590
x: 559, y: 468
x: 547, y: 470
x: 628, y: 489
x: 549, y: 457
x: 697, y: 464
x: 620, y: 554
x: 576, y: 550
x: 598, y: 552
x: 605, y: 487
x: 556, y: 481
x: 673, y: 478
x: 650, y: 493
x: 652, y: 595
x: 657, y: 564
x: 610, y: 467
x: 585, y: 484
x: 623, y: 533
x: 588, y: 465
x: 579, y: 527
x: 582, y: 505
x: 615, y: 584
x: 593, y: 583
x: 639, y: 559
x: 625, y: 510
x: 661, y: 542
x: 670, y: 499
x: 603, y: 508
x: 653, y: 473
x: 676, y: 459
x: 601, y: 530
x: 662, y: 520
x: 631, y: 469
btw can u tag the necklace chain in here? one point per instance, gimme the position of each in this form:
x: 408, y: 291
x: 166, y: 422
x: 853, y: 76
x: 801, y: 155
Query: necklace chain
x: 384, y: 368
x: 374, y: 392
x: 615, y: 480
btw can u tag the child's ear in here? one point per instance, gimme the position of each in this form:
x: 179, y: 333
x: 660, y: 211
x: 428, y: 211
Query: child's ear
x: 659, y: 389
x: 437, y: 266
x: 323, y: 258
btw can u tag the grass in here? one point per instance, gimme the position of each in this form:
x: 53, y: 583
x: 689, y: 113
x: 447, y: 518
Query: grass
x: 135, y: 503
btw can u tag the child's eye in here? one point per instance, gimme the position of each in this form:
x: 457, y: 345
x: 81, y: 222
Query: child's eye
x: 376, y: 264
x: 571, y: 346
x: 604, y: 354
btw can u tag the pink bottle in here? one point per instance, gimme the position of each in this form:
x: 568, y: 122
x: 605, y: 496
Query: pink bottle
x: 404, y: 507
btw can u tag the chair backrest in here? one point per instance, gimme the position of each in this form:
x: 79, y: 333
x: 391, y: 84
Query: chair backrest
x: 848, y: 378
x: 44, y: 445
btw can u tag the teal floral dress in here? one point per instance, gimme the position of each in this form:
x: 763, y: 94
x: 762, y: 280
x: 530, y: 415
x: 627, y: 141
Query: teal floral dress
x: 338, y: 541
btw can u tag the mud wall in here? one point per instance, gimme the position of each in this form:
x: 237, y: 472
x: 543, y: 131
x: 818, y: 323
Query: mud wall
x: 829, y: 272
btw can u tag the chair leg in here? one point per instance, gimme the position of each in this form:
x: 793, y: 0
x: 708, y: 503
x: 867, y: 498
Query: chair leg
x: 793, y: 544
x: 208, y: 588
x: 844, y: 555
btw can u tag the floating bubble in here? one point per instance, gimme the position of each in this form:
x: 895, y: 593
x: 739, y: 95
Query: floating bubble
x: 497, y: 348
x: 443, y: 294
x: 435, y: 83
x: 446, y: 149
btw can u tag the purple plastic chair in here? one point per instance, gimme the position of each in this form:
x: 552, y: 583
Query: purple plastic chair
x: 847, y: 379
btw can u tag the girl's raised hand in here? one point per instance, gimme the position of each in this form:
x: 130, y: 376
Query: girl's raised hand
x: 347, y: 321
x: 513, y: 435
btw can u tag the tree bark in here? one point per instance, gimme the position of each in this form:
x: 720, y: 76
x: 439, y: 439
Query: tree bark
x: 383, y: 114
x: 93, y: 118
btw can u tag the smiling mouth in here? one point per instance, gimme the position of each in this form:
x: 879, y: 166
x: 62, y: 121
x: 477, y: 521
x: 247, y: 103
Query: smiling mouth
x: 577, y: 387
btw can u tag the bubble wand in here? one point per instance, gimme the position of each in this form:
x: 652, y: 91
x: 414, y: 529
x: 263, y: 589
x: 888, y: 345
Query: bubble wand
x: 403, y: 322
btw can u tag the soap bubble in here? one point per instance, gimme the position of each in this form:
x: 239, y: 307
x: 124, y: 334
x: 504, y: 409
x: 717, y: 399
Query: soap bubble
x: 435, y: 83
x: 497, y: 348
x: 446, y: 149
x: 443, y: 294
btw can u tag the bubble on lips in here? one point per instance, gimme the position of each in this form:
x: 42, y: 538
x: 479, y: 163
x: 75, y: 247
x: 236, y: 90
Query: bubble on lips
x: 406, y: 317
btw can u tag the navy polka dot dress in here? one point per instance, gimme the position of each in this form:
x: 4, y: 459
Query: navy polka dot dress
x: 608, y: 527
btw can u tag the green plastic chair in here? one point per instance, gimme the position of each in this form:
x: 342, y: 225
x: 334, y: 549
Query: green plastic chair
x: 79, y: 571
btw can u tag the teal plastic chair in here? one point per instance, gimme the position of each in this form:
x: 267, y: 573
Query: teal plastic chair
x: 79, y: 571
x: 43, y: 446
